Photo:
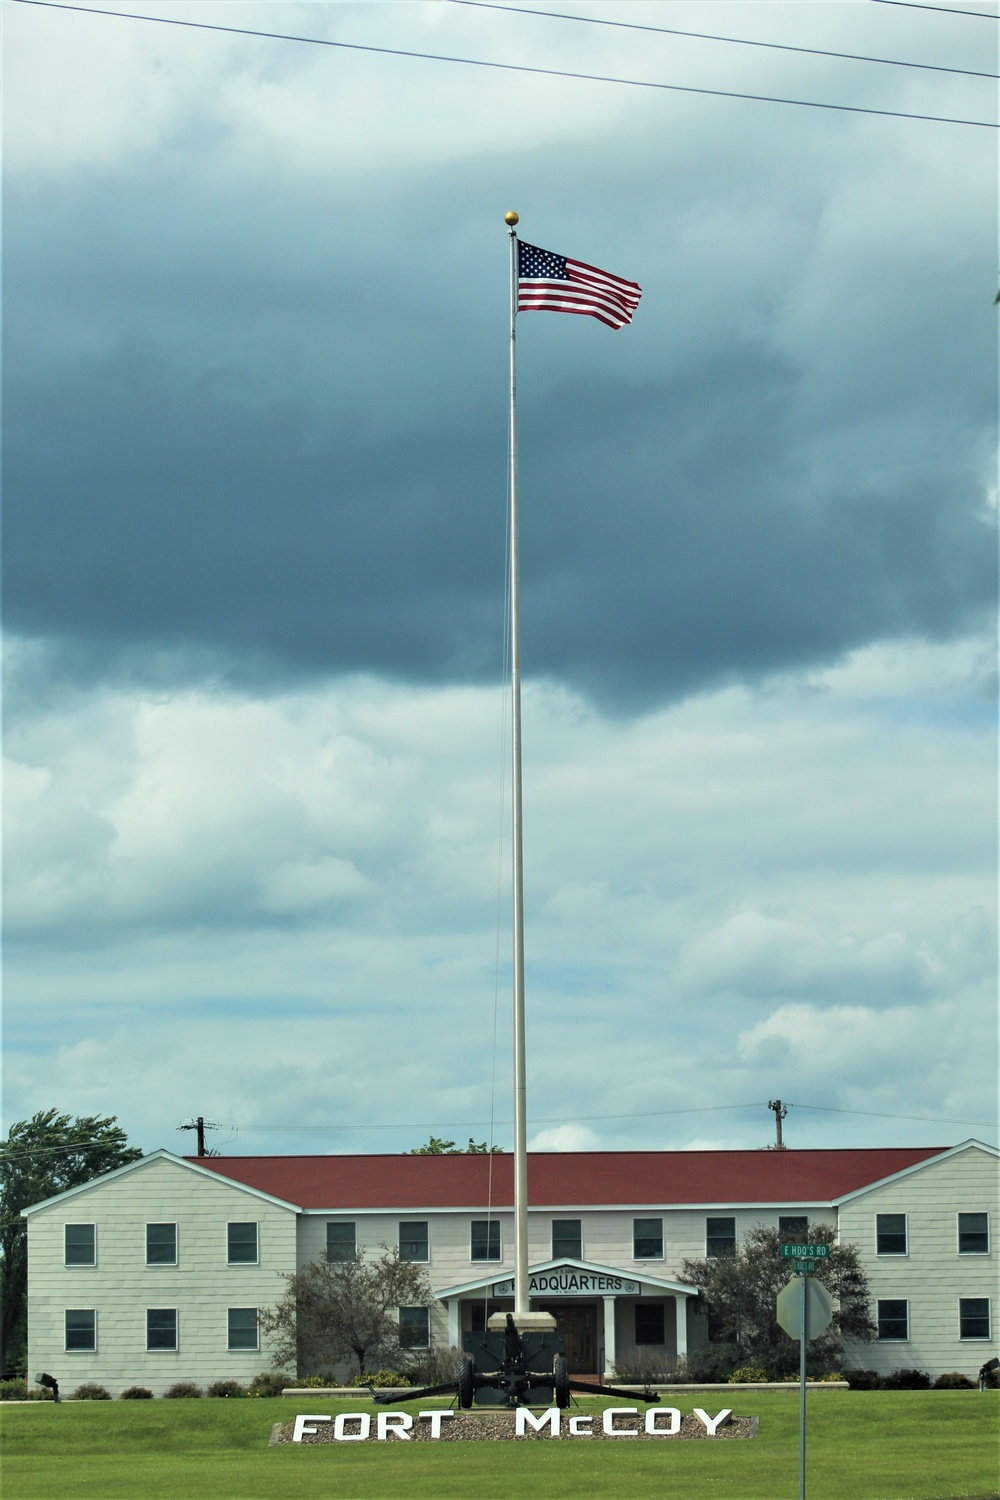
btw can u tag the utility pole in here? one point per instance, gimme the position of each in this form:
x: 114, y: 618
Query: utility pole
x: 780, y: 1111
x: 201, y: 1125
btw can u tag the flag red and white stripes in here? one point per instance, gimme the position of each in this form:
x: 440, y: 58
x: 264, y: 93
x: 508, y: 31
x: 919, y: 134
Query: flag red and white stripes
x: 554, y: 283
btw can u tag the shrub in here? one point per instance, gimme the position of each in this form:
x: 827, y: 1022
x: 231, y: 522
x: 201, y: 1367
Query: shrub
x: 381, y: 1377
x: 745, y: 1374
x: 313, y: 1381
x: 864, y: 1380
x: 832, y: 1375
x: 908, y: 1380
x: 136, y: 1393
x: 436, y: 1367
x: 91, y: 1392
x: 231, y: 1388
x: 642, y: 1365
x: 19, y: 1390
x: 711, y: 1364
x: 183, y: 1390
x: 272, y: 1383
x: 954, y: 1380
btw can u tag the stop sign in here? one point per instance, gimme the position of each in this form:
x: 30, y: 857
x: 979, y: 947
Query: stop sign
x: 819, y: 1307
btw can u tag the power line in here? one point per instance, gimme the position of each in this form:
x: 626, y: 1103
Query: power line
x: 478, y: 62
x: 877, y: 1114
x: 942, y: 10
x: 706, y: 36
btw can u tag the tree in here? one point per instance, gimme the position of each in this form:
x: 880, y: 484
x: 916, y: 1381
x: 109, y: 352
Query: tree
x: 333, y: 1309
x: 41, y: 1157
x: 740, y: 1290
x: 437, y: 1147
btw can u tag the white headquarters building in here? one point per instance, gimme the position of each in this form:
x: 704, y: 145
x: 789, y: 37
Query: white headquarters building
x: 156, y: 1272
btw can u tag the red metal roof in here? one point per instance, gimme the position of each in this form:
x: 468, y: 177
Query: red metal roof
x: 576, y: 1178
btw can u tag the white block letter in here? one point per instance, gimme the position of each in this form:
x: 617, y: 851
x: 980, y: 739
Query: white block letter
x: 396, y: 1422
x: 711, y: 1423
x: 364, y: 1418
x: 652, y: 1427
x: 523, y: 1418
x: 610, y: 1412
x: 581, y: 1427
x: 435, y: 1417
x: 300, y: 1430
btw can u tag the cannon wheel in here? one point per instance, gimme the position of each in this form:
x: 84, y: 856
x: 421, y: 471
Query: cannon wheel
x: 560, y: 1379
x: 466, y: 1382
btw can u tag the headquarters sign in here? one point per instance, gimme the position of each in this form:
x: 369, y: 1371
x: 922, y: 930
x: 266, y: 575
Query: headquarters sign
x: 572, y: 1283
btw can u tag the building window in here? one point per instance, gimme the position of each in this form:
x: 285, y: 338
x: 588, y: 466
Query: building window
x: 647, y: 1239
x: 893, y: 1320
x: 414, y: 1328
x: 243, y: 1328
x: 485, y: 1239
x: 649, y: 1323
x: 790, y: 1225
x: 341, y: 1240
x: 973, y: 1234
x: 973, y: 1317
x: 81, y: 1245
x: 241, y: 1244
x: 161, y: 1328
x: 890, y: 1234
x: 81, y: 1330
x: 161, y: 1244
x: 567, y: 1239
x: 720, y: 1236
x: 413, y: 1242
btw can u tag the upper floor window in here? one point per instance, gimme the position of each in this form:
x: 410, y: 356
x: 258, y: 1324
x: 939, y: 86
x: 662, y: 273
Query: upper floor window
x: 647, y: 1239
x: 414, y: 1328
x: 413, y: 1240
x: 973, y: 1234
x: 792, y: 1225
x: 973, y: 1317
x: 341, y: 1240
x: 485, y: 1243
x: 649, y: 1323
x: 893, y: 1319
x: 161, y: 1328
x: 161, y: 1244
x: 81, y: 1245
x: 242, y: 1328
x: 720, y: 1236
x: 241, y: 1244
x: 890, y: 1234
x: 567, y: 1239
x: 81, y: 1329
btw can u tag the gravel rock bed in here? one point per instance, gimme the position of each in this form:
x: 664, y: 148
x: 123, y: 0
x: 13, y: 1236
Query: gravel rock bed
x: 498, y: 1427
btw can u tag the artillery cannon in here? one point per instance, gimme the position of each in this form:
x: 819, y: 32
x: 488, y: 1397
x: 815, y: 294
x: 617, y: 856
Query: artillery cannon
x: 508, y: 1367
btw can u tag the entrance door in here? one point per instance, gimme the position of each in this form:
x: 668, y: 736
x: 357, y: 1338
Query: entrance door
x: 577, y: 1322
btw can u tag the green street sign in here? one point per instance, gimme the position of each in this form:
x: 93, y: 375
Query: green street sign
x: 805, y: 1252
x: 805, y: 1267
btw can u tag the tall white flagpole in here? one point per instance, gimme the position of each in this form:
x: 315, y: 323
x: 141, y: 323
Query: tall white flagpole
x: 521, y: 1298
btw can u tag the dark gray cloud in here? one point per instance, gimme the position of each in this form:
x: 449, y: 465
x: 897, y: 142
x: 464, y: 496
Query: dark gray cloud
x: 259, y: 434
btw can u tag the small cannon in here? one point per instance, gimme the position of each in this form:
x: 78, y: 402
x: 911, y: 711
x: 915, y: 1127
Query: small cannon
x: 508, y: 1366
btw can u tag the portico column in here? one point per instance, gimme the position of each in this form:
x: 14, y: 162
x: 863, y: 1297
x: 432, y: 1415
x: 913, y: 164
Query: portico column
x: 454, y: 1323
x: 681, y: 1314
x: 609, y: 1335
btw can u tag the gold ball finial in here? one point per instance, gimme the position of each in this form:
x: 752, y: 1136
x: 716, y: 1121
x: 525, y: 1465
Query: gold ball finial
x: 511, y: 218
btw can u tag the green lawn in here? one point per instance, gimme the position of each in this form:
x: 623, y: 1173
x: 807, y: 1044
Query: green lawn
x: 934, y: 1445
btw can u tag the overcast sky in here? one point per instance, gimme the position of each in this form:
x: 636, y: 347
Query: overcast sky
x: 255, y: 312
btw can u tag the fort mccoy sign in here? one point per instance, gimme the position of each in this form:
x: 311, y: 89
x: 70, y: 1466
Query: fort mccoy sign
x: 612, y: 1422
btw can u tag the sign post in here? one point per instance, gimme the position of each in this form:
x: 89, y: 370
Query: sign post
x: 804, y: 1311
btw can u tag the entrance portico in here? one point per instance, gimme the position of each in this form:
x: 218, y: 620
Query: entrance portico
x: 589, y: 1304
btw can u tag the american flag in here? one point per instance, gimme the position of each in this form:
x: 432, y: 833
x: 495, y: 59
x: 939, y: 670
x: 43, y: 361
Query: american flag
x: 554, y: 283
